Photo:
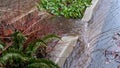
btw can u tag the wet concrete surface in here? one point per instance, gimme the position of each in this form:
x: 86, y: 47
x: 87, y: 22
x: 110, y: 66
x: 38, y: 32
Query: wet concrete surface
x: 78, y: 57
x: 104, y: 32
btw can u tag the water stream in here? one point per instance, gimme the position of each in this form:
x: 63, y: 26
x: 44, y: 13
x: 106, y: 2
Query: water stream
x: 103, y: 40
x: 106, y: 48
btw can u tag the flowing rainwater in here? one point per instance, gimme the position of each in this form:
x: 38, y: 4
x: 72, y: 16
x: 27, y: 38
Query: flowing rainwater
x: 102, y: 49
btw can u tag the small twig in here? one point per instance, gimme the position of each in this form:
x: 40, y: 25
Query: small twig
x: 5, y: 37
x: 33, y: 32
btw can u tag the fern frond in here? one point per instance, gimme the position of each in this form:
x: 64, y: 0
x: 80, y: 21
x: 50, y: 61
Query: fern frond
x: 38, y: 65
x: 12, y: 50
x: 9, y: 56
x: 15, y: 56
x: 50, y: 37
x: 42, y: 63
x: 32, y: 48
x: 18, y: 39
x: 50, y: 63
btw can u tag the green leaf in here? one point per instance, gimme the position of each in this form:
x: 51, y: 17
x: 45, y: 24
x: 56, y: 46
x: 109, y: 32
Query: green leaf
x: 50, y: 37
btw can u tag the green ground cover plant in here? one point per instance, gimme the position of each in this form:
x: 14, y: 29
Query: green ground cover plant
x: 65, y: 8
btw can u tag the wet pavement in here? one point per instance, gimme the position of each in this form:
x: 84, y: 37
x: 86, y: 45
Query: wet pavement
x: 103, y: 42
x: 105, y: 38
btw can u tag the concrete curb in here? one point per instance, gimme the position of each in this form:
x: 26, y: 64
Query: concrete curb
x: 63, y: 49
x: 90, y: 10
